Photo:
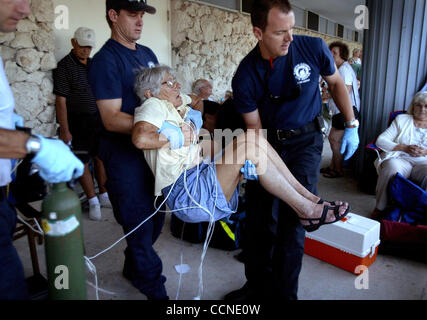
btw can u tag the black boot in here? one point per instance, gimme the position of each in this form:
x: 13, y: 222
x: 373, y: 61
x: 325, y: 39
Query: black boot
x: 242, y: 294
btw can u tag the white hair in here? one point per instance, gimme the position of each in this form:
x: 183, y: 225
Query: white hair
x: 198, y: 84
x: 150, y: 79
x: 420, y: 97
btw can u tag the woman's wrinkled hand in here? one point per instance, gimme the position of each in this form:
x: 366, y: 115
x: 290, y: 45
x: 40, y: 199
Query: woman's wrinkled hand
x: 416, y: 151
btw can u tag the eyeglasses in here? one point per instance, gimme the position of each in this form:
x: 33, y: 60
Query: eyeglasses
x: 421, y: 105
x: 170, y: 83
x: 145, y: 1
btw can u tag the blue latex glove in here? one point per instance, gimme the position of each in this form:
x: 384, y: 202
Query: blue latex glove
x: 173, y: 134
x: 56, y: 162
x: 17, y: 120
x: 195, y: 117
x: 249, y: 171
x: 350, y: 142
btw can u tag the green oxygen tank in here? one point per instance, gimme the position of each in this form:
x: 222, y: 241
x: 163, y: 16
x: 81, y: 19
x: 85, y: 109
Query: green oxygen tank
x: 62, y: 225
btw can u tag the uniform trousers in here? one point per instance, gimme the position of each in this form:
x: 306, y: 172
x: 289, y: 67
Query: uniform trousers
x: 130, y: 186
x: 12, y: 279
x: 274, y: 236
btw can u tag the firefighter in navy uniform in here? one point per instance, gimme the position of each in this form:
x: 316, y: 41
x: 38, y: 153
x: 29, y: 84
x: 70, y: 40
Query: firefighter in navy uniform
x: 276, y: 87
x: 130, y: 183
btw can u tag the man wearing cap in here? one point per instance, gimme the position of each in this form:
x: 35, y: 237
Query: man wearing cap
x: 130, y: 183
x: 77, y: 115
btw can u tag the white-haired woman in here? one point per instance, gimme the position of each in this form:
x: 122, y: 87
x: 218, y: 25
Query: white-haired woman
x: 173, y: 154
x: 355, y: 59
x: 405, y: 150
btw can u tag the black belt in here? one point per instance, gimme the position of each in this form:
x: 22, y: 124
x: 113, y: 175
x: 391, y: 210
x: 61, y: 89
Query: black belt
x: 282, y: 135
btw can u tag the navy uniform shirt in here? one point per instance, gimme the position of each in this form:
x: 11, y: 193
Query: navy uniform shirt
x: 310, y: 58
x: 113, y: 70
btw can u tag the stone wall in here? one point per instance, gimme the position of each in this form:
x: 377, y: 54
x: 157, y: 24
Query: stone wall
x: 28, y: 57
x: 209, y: 42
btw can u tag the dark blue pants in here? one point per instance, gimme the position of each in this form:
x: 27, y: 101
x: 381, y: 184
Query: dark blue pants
x: 12, y: 279
x: 274, y: 236
x: 130, y: 186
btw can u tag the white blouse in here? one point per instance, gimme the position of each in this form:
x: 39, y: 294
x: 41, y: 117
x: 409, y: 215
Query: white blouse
x: 401, y: 131
x: 7, y: 104
x: 420, y: 137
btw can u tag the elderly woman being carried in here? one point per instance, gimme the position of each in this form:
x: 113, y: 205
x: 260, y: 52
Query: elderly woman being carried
x: 198, y: 189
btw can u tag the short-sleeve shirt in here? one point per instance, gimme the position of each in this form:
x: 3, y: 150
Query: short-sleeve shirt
x: 7, y: 104
x: 70, y: 80
x: 307, y: 59
x: 350, y: 79
x: 355, y: 61
x: 113, y: 70
x: 166, y: 164
x: 357, y: 69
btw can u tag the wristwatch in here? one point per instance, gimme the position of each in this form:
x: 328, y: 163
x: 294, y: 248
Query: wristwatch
x: 33, y: 145
x: 353, y: 123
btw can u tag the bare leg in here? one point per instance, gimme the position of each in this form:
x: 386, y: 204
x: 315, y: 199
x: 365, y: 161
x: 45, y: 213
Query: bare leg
x: 253, y: 146
x: 100, y: 175
x: 330, y: 139
x: 274, y: 176
x: 335, y: 139
x: 86, y: 181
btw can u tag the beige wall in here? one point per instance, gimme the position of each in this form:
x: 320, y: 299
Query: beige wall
x: 91, y: 14
x: 329, y: 39
x: 209, y: 43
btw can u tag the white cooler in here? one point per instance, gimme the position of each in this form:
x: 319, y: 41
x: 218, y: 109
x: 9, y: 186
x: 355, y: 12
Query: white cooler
x: 347, y: 244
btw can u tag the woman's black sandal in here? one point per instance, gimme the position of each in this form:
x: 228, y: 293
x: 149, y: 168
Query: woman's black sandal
x: 322, y: 201
x: 321, y: 221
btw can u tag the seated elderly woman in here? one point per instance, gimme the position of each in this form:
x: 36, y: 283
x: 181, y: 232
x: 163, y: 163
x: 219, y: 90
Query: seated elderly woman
x: 405, y: 146
x: 197, y: 190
